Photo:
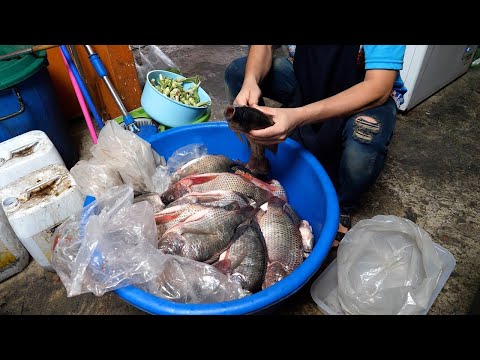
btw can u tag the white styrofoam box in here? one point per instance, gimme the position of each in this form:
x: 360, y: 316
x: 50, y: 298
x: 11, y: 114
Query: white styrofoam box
x: 21, y: 155
x: 13, y: 255
x: 324, y: 288
x: 36, y: 204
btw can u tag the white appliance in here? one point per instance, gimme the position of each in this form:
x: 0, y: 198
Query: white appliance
x: 428, y: 68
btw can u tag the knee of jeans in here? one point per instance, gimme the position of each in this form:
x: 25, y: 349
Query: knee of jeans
x: 358, y: 163
x: 365, y: 128
x: 235, y: 72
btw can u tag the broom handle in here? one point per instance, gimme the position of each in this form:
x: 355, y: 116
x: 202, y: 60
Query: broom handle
x: 33, y: 49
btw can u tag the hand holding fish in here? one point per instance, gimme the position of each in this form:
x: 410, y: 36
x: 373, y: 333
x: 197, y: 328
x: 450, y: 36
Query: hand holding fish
x: 285, y: 122
x: 249, y: 94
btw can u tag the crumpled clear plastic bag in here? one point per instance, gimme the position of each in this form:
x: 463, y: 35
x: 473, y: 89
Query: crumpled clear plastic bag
x: 191, y: 282
x: 387, y: 266
x: 161, y: 179
x: 183, y: 155
x: 95, y: 177
x: 148, y: 58
x: 130, y: 155
x: 111, y: 244
x: 108, y: 245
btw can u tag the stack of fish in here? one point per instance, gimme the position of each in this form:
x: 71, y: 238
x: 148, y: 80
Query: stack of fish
x: 219, y: 213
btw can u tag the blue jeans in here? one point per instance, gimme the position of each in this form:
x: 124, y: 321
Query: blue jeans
x: 278, y: 85
x: 362, y: 141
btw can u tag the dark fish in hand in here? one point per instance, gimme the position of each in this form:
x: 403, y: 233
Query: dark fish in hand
x: 245, y: 261
x: 243, y: 119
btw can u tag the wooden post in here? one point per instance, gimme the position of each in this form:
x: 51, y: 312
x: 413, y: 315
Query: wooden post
x: 120, y: 65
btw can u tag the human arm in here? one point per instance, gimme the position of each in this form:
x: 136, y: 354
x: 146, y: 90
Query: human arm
x: 372, y: 92
x: 259, y: 62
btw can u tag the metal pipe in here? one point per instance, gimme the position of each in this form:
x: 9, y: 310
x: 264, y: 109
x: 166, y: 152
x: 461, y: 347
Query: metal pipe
x: 102, y: 72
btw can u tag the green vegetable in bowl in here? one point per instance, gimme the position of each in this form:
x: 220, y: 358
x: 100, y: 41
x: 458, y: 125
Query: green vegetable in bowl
x: 174, y: 90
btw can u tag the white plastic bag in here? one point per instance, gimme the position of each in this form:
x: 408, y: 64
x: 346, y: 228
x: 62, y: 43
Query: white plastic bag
x: 185, y: 154
x: 148, y: 58
x: 94, y: 177
x: 161, y: 179
x: 191, y: 282
x: 387, y: 265
x: 126, y: 152
x: 108, y: 245
x: 111, y: 243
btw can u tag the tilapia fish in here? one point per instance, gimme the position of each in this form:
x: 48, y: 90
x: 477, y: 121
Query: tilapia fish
x: 281, y: 193
x: 245, y: 261
x: 204, y: 235
x: 243, y: 119
x: 202, y: 165
x: 171, y: 216
x: 283, y: 239
x: 251, y: 187
x: 228, y: 200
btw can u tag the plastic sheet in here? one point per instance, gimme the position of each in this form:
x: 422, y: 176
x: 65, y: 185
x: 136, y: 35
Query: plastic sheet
x: 148, y: 58
x: 94, y: 177
x: 126, y: 152
x: 387, y: 265
x: 187, y: 281
x: 108, y: 245
x: 184, y: 155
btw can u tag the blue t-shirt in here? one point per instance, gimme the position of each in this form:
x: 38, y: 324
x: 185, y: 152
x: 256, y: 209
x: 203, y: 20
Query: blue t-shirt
x: 386, y: 57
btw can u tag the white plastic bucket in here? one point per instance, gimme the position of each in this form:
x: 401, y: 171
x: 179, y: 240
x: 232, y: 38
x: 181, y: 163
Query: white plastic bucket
x: 36, y: 204
x: 13, y: 255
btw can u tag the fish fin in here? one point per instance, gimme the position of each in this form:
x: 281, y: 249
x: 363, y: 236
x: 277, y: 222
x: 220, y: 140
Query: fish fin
x: 262, y: 176
x: 240, y: 169
x: 288, y: 210
x: 260, y: 183
x: 277, y: 201
x: 259, y: 215
x: 224, y: 266
x: 200, y: 179
x: 164, y: 218
x: 273, y: 148
x: 241, y: 138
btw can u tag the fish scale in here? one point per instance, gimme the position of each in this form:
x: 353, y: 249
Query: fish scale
x: 217, y: 198
x: 202, y: 165
x: 233, y: 182
x: 246, y: 259
x: 204, y: 235
x: 284, y: 243
x: 171, y: 216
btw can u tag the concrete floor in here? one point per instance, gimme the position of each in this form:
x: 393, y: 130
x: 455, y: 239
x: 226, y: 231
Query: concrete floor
x: 431, y: 177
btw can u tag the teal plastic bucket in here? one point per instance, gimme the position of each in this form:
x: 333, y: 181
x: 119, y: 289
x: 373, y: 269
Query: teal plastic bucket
x: 167, y: 111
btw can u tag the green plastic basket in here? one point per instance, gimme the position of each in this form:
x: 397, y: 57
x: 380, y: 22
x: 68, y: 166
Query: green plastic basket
x: 139, y: 113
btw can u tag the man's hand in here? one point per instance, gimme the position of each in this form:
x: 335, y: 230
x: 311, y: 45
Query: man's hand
x: 285, y: 120
x: 249, y: 94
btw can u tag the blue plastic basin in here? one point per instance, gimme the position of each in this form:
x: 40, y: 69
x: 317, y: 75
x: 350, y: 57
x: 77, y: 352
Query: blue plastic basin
x: 309, y: 191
